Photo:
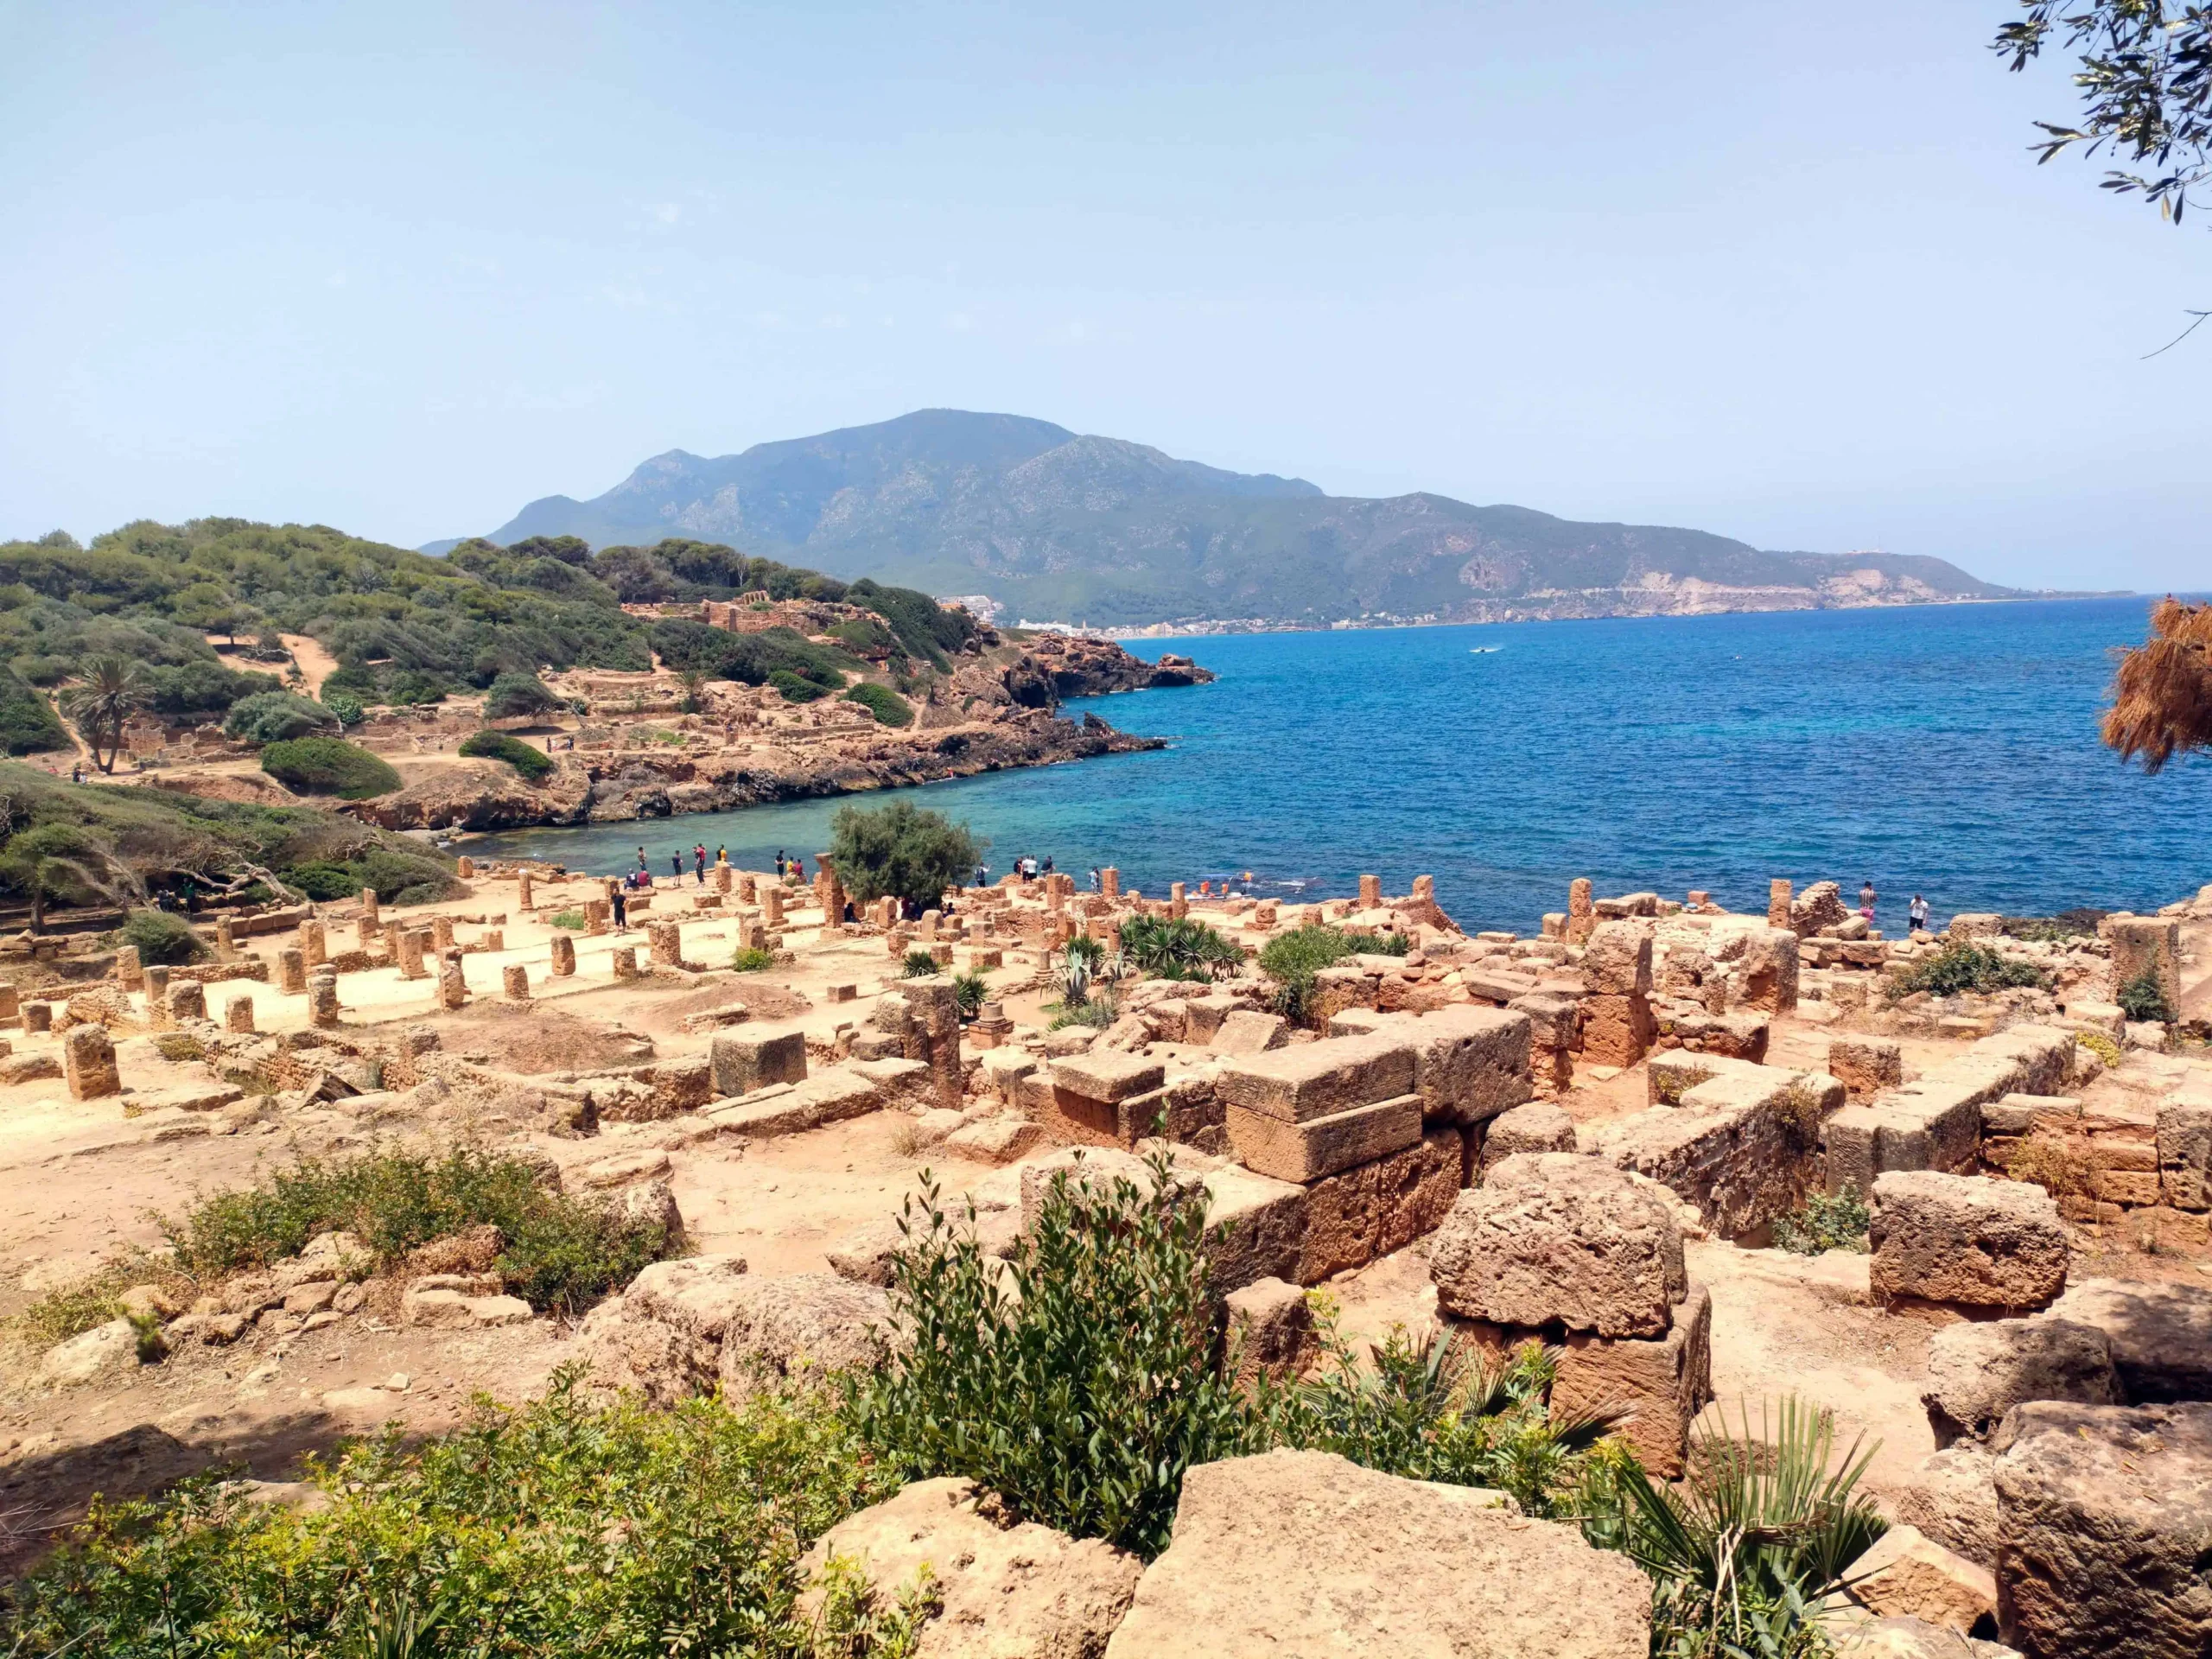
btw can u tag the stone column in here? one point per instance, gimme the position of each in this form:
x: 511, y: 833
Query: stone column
x: 442, y: 934
x: 88, y: 1064
x: 748, y: 889
x: 665, y: 940
x: 38, y: 1016
x: 625, y: 958
x: 466, y: 867
x: 1110, y: 882
x: 1179, y: 904
x: 598, y: 917
x: 453, y: 981
x: 1778, y: 895
x: 1371, y: 891
x: 723, y: 878
x: 238, y: 1014
x: 11, y: 1007
x: 522, y: 894
x: 494, y: 939
x: 564, y: 956
x: 410, y: 953
x: 225, y: 943
x: 515, y: 981
x: 1581, y: 910
x: 129, y: 972
x: 772, y: 902
x: 370, y: 913
x: 313, y: 947
x: 291, y: 971
x: 188, y: 1000
x: 157, y: 984
x: 322, y: 1002
x: 1616, y: 1017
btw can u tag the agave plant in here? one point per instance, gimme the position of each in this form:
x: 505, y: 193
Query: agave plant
x: 1179, y: 948
x: 1742, y: 1553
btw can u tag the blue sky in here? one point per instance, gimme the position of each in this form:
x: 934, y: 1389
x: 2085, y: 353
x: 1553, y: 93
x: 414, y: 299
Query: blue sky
x: 1780, y: 271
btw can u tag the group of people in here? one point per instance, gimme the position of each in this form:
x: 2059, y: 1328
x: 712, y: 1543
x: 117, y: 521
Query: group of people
x: 1916, y: 913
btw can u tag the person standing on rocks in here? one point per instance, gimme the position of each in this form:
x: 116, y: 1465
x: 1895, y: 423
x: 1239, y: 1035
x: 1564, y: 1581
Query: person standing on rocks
x: 676, y: 863
x: 1916, y: 913
x: 699, y: 863
x: 622, y: 903
x: 641, y: 858
x: 1866, y: 899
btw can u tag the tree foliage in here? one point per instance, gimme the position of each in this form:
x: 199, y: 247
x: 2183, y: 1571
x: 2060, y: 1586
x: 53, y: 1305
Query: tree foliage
x: 102, y: 704
x: 532, y: 763
x: 2162, y: 695
x: 328, y: 766
x: 273, y: 716
x: 901, y: 851
x: 2146, y: 80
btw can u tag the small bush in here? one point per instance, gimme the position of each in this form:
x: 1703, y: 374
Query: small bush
x: 571, y: 919
x: 2053, y: 1165
x: 1167, y: 948
x: 918, y: 963
x: 72, y: 1309
x: 1077, y: 1380
x: 555, y: 1528
x: 161, y: 938
x: 970, y: 991
x: 901, y: 851
x: 2101, y: 1045
x: 2054, y: 930
x: 517, y: 694
x: 886, y: 705
x: 1964, y: 966
x: 276, y: 717
x: 2143, y: 999
x: 561, y: 1252
x: 794, y: 688
x: 345, y: 709
x: 328, y: 766
x: 752, y: 959
x: 532, y: 763
x: 1826, y: 1222
x: 1097, y: 1011
x: 1294, y: 959
x: 178, y: 1047
x: 28, y: 725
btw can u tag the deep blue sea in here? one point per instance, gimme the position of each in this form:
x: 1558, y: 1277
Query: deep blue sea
x: 1951, y: 750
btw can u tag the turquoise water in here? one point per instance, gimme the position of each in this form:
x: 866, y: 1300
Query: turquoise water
x: 1951, y: 750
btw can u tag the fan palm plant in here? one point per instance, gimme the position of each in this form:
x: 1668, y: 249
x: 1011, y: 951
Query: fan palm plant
x: 101, y: 704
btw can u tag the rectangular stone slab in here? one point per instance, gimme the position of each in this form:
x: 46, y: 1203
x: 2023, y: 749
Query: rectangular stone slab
x: 1311, y: 1080
x: 1317, y: 1147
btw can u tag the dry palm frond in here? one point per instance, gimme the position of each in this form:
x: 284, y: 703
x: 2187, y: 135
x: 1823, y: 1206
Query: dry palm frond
x: 2162, y: 696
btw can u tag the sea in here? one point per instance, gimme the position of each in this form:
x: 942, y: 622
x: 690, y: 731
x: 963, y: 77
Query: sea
x: 1949, y: 751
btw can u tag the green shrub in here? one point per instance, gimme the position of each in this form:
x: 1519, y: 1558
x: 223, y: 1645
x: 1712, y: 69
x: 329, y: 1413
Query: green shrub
x: 2055, y: 930
x: 160, y: 937
x: 752, y: 959
x: 2144, y: 999
x: 345, y: 708
x: 971, y: 992
x: 794, y: 688
x: 1294, y: 959
x: 571, y: 919
x: 532, y: 763
x: 918, y: 963
x: 28, y: 725
x: 517, y: 694
x: 1077, y: 1379
x: 1171, y: 948
x: 1964, y: 966
x: 274, y: 716
x: 1744, y: 1549
x: 886, y: 705
x: 561, y: 1252
x: 901, y: 851
x: 1098, y: 1012
x: 558, y: 1528
x: 328, y: 766
x: 400, y: 875
x: 1826, y: 1222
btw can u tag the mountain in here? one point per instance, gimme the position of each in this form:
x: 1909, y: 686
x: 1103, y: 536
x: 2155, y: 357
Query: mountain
x: 1054, y: 524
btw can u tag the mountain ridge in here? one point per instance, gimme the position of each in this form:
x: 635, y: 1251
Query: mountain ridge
x: 1048, y: 523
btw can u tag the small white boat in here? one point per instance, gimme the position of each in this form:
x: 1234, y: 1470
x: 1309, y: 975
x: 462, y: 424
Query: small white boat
x: 1483, y: 650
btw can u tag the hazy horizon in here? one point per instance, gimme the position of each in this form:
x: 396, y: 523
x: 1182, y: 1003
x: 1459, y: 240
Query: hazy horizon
x: 1743, y: 269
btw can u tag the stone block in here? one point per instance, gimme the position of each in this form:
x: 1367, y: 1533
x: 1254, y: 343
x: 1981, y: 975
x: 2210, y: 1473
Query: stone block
x: 1865, y: 1066
x: 1617, y: 1030
x: 238, y: 1014
x: 2103, y: 1512
x: 1271, y: 1329
x: 2146, y: 945
x: 1373, y: 1208
x: 1248, y: 1031
x: 1909, y: 1575
x: 1743, y: 1147
x: 1766, y: 976
x: 1978, y: 1372
x: 1203, y: 1015
x: 88, y: 1063
x: 1667, y: 1381
x: 2161, y: 1334
x: 1308, y: 1149
x: 1470, y: 1064
x: 1306, y: 1553
x: 1107, y: 1076
x: 1556, y: 1238
x: 1186, y: 1111
x: 749, y: 1060
x: 1616, y: 960
x: 188, y: 1000
x: 1968, y: 1239
x: 564, y: 954
x: 2184, y: 1140
x: 1313, y: 1080
x: 514, y: 981
x: 1539, y: 1127
x: 1952, y: 1497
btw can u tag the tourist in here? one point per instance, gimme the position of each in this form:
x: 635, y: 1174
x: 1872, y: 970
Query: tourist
x: 641, y: 858
x: 782, y: 864
x: 983, y: 875
x: 699, y: 863
x: 621, y: 909
x: 1094, y: 878
x: 1917, y: 912
x: 798, y: 868
x: 676, y: 863
x: 721, y: 855
x: 1866, y: 900
x: 1048, y: 864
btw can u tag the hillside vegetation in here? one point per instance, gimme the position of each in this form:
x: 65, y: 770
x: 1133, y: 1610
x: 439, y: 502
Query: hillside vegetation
x: 1058, y: 525
x: 403, y: 626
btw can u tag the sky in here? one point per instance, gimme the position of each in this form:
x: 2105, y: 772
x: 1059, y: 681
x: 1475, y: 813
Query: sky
x: 1784, y: 272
